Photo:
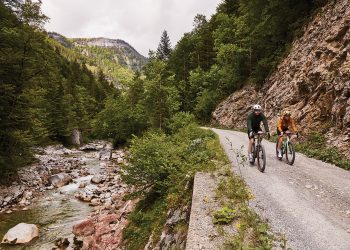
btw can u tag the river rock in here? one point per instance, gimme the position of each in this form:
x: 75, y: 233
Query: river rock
x: 105, y: 154
x: 60, y: 180
x: 62, y: 243
x: 82, y: 185
x: 21, y: 233
x: 84, y: 228
x: 97, y: 179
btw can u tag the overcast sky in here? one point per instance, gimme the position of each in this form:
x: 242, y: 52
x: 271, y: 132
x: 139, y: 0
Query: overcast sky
x: 138, y: 22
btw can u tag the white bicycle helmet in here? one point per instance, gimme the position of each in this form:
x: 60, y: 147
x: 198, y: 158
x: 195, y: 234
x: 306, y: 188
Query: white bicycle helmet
x: 257, y: 107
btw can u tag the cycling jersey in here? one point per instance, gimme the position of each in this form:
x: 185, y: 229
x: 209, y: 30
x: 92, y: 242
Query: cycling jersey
x: 284, y: 125
x: 254, y: 121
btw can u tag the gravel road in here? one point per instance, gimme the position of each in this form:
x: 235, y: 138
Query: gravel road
x: 309, y: 202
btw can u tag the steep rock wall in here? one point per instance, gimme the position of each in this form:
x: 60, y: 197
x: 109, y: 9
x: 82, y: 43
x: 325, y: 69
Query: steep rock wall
x: 313, y: 81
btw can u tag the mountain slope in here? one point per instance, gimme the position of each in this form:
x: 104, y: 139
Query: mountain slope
x: 313, y: 81
x: 115, y: 58
x: 120, y: 51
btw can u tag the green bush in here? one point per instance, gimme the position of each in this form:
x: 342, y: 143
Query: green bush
x: 225, y: 215
x: 161, y: 161
x: 163, y: 166
x: 178, y: 121
x: 119, y: 121
x: 316, y: 147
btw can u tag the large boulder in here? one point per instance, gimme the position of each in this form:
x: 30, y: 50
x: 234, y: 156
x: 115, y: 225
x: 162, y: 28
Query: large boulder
x: 76, y: 137
x: 20, y: 234
x: 60, y: 180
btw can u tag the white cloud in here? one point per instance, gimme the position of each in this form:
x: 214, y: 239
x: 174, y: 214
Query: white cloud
x: 138, y: 22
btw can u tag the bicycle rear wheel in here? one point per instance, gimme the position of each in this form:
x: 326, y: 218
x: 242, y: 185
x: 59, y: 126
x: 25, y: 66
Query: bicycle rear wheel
x: 261, y: 157
x: 290, y: 153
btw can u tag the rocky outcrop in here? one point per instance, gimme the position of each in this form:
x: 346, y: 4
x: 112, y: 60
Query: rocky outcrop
x: 313, y: 81
x: 20, y: 234
x: 120, y: 51
x: 61, y: 39
x: 171, y: 237
x: 76, y: 137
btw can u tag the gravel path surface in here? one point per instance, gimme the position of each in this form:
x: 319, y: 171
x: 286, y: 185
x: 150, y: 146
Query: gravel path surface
x: 309, y: 202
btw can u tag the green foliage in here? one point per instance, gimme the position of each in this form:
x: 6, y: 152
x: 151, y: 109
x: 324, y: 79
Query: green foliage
x: 241, y: 44
x: 163, y: 166
x: 315, y: 146
x: 164, y: 161
x: 43, y: 96
x: 224, y: 216
x: 253, y: 232
x: 104, y: 59
x: 178, y: 121
x: 206, y: 103
x: 119, y: 120
x: 164, y: 47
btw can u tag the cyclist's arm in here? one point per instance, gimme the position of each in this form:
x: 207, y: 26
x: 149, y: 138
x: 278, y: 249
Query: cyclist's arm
x: 266, y: 126
x: 249, y: 123
x: 279, y: 125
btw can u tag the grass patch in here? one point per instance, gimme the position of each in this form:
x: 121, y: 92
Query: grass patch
x: 315, y: 146
x: 251, y: 231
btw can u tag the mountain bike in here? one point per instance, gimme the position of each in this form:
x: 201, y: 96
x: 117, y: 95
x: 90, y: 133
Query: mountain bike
x: 287, y: 148
x: 258, y: 151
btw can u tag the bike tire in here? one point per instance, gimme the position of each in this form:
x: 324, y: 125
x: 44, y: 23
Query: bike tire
x: 261, y: 156
x: 290, y: 153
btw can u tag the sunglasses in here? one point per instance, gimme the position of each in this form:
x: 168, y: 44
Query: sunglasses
x: 257, y: 110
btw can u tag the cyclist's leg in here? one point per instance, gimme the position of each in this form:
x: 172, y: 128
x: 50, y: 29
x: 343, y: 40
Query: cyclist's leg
x: 250, y: 143
x: 280, y: 139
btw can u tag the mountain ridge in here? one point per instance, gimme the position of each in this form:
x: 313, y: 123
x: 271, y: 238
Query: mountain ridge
x: 121, y: 51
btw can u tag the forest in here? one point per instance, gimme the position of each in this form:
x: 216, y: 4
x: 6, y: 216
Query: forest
x: 45, y: 94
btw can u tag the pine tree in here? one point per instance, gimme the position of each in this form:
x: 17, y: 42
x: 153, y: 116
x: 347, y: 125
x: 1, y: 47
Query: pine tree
x: 164, y: 47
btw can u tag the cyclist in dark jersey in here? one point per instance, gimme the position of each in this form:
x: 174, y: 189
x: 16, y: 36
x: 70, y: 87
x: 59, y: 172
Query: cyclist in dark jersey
x: 253, y: 123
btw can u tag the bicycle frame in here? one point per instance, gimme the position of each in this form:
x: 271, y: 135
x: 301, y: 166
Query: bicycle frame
x: 258, y: 149
x: 287, y: 147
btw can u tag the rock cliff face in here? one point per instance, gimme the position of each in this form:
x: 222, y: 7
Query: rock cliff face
x: 313, y: 81
x: 122, y: 52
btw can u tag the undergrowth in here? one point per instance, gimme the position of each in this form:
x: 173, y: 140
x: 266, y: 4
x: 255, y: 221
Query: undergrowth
x: 163, y: 166
x: 251, y: 232
x: 315, y: 146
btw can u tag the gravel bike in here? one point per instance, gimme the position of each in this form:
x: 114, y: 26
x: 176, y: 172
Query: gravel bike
x: 258, y: 151
x: 287, y: 148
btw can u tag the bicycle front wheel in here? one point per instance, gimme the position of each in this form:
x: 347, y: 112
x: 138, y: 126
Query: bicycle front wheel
x: 290, y: 153
x: 261, y: 157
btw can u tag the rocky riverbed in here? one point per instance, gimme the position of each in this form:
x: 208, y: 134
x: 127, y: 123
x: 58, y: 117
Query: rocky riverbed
x: 76, y: 197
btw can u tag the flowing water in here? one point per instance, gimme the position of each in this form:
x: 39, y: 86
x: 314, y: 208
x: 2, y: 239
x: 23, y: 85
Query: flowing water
x: 54, y: 213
